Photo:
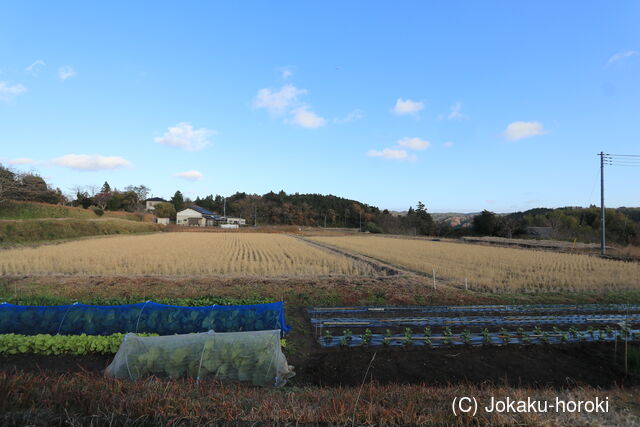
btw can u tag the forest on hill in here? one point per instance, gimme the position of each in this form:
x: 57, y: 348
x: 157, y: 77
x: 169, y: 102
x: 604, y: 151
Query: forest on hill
x: 281, y: 208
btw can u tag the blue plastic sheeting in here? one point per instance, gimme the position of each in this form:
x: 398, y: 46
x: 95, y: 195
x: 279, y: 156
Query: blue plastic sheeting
x: 476, y: 320
x: 480, y: 308
x: 147, y: 317
x: 475, y: 339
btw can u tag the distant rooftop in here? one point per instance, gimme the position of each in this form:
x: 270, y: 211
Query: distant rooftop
x: 156, y: 199
x: 205, y: 212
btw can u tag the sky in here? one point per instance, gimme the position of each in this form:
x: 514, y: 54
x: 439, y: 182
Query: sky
x: 461, y: 105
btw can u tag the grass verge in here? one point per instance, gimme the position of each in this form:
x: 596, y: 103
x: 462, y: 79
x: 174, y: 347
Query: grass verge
x: 40, y: 399
x: 20, y: 232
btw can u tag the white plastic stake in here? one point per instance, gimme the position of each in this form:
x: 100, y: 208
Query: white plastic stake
x: 434, y: 278
x: 466, y: 286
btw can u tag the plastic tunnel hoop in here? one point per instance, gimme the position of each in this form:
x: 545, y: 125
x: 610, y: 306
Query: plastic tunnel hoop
x: 147, y: 317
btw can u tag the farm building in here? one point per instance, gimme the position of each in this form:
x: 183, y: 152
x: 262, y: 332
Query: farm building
x: 195, y: 216
x: 234, y: 220
x: 153, y: 202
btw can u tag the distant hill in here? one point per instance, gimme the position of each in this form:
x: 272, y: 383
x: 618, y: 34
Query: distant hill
x: 454, y: 219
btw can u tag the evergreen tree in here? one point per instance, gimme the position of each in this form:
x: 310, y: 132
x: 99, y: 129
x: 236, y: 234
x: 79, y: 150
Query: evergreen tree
x: 178, y: 201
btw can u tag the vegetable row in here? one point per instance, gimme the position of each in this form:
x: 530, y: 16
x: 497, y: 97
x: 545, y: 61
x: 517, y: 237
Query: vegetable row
x: 482, y: 308
x: 502, y: 337
x: 45, y: 344
x: 478, y: 320
x: 148, y: 317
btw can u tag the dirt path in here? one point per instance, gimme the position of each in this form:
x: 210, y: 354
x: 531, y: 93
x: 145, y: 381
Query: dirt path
x: 391, y: 269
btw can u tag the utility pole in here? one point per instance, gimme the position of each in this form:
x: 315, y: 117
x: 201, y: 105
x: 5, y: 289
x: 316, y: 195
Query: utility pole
x: 602, y: 212
x: 325, y: 220
x: 224, y: 207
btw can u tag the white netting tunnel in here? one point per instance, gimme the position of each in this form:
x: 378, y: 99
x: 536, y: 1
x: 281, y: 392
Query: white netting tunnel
x: 251, y: 357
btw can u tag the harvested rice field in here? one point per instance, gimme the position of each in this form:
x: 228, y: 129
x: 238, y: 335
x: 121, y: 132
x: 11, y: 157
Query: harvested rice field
x: 177, y: 254
x: 493, y: 268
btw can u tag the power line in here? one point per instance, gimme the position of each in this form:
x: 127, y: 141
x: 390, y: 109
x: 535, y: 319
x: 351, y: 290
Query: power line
x: 623, y: 155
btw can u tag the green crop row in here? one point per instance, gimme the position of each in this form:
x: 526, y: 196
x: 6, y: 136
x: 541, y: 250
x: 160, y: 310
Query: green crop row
x: 187, y: 302
x: 45, y: 344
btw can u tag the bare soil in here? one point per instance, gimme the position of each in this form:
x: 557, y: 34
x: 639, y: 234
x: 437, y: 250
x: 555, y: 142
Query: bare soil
x: 561, y: 366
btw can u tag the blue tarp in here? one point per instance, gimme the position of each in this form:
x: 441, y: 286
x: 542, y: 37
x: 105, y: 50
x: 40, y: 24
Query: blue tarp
x: 147, y: 317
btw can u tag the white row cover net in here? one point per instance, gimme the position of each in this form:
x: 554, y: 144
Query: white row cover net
x: 252, y: 357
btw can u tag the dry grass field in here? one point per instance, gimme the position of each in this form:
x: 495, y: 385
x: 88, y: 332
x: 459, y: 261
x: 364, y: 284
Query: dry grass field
x: 233, y: 254
x: 495, y: 268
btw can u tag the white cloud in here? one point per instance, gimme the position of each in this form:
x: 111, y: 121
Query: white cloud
x: 192, y: 175
x: 519, y: 130
x: 278, y: 102
x: 621, y: 55
x: 21, y: 161
x: 455, y: 112
x: 65, y: 72
x: 91, y: 162
x: 306, y: 118
x: 286, y: 72
x: 35, y: 67
x: 389, y: 153
x: 8, y: 91
x: 184, y: 136
x: 448, y: 144
x: 414, y: 143
x: 407, y: 106
x: 354, y: 115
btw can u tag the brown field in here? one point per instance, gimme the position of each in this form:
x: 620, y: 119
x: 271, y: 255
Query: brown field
x: 494, y: 268
x: 83, y: 398
x: 179, y: 254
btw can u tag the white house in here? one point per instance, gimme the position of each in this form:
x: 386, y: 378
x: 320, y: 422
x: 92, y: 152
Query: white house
x: 196, y: 216
x: 153, y: 202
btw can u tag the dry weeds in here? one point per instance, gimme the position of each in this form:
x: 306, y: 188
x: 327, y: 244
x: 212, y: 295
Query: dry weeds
x: 181, y: 254
x: 494, y: 268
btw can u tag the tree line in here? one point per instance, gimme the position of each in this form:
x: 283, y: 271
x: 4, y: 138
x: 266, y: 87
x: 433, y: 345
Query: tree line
x: 583, y: 224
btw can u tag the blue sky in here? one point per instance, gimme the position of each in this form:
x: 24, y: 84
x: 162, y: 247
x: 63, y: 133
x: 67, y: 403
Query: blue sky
x: 462, y: 105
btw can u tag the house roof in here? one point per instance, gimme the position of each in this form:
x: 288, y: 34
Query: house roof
x: 156, y: 199
x: 205, y: 212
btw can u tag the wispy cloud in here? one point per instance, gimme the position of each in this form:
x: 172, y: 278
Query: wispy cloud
x: 21, y: 161
x: 66, y: 72
x: 35, y: 67
x: 353, y: 116
x: 390, y: 153
x: 8, y: 91
x: 184, y: 136
x: 448, y: 144
x: 398, y: 152
x: 407, y: 106
x: 286, y: 72
x: 91, y: 162
x: 278, y: 102
x: 306, y: 118
x: 621, y: 55
x: 286, y: 102
x: 519, y: 130
x: 192, y: 175
x: 414, y: 143
x: 455, y: 112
